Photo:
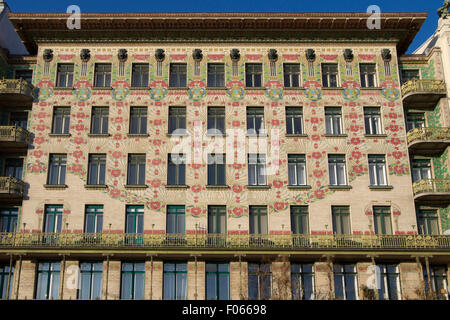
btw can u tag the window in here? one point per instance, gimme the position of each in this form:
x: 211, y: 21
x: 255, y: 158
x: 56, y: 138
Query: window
x: 257, y: 169
x: 65, y: 76
x: 175, y: 219
x: 341, y: 219
x: 255, y: 120
x: 216, y: 170
x: 216, y: 120
x: 4, y: 285
x: 410, y: 74
x: 53, y: 218
x: 99, y: 120
x: 138, y: 120
x: 217, y: 219
x: 26, y: 75
x: 259, y: 281
x: 177, y: 120
x: 177, y: 170
x: 372, y: 120
x: 61, y: 120
x: 345, y: 283
x: 133, y: 280
x: 177, y: 75
x: 217, y: 281
x: 337, y: 170
x: 389, y: 281
x: 8, y: 219
x: 175, y: 281
x: 294, y: 120
x: 136, y: 169
x: 299, y: 220
x: 291, y: 75
x: 297, y: 169
x: 333, y: 120
x: 258, y: 220
x: 421, y: 169
x: 47, y: 284
x: 216, y: 75
x: 377, y: 170
x: 134, y: 219
x: 97, y: 169
x: 382, y: 219
x: 427, y: 220
x: 414, y: 120
x: 368, y: 73
x: 14, y: 168
x: 437, y: 280
x: 329, y: 75
x: 302, y: 281
x: 93, y: 219
x: 57, y: 169
x: 91, y: 280
x: 253, y: 75
x: 19, y: 119
x: 139, y: 76
x: 102, y: 76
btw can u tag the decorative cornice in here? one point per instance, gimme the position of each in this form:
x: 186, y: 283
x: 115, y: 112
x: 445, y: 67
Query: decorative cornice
x: 275, y: 27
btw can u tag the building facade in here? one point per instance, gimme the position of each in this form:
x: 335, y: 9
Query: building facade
x: 226, y: 156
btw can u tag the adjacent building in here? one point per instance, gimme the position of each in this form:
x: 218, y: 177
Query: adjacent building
x: 223, y: 156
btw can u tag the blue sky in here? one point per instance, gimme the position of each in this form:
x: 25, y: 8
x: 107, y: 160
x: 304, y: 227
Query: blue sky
x: 427, y: 30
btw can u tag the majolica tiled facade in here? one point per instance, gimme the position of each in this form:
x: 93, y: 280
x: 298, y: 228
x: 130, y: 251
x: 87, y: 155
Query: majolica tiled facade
x: 135, y: 237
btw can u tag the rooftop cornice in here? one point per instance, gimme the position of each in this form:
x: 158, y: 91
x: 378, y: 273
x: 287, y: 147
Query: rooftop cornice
x: 258, y: 26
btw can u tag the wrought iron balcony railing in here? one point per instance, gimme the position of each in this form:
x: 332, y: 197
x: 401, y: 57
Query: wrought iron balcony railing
x: 98, y: 241
x: 423, y: 86
x: 16, y: 87
x: 429, y: 134
x: 11, y: 186
x: 14, y: 134
x: 431, y: 186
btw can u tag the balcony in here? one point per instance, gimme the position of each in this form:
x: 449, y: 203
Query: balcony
x: 433, y: 191
x: 14, y: 137
x: 428, y: 141
x: 219, y: 242
x: 423, y: 93
x: 15, y: 92
x: 11, y: 188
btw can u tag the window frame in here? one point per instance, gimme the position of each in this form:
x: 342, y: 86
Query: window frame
x: 58, y: 160
x: 217, y: 275
x: 253, y: 74
x: 328, y: 79
x: 143, y: 76
x: 297, y: 212
x: 134, y: 273
x: 178, y: 177
x: 384, y: 214
x: 218, y: 168
x: 260, y: 215
x: 372, y: 119
x: 290, y: 75
x: 214, y: 84
x: 300, y: 275
x: 139, y: 160
x: 178, y: 76
x: 92, y: 273
x: 107, y: 75
x: 62, y: 115
x: 175, y: 272
x: 344, y: 273
x: 293, y: 114
x: 260, y: 164
x: 376, y: 163
x: 98, y: 211
x: 366, y: 75
x: 334, y: 161
x: 68, y: 75
x: 140, y: 115
x: 338, y: 214
x: 100, y: 114
x: 295, y: 161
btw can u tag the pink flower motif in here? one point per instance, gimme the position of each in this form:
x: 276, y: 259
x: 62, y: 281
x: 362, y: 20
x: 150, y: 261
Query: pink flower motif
x: 277, y: 183
x: 395, y: 141
x: 77, y: 154
x: 236, y: 123
x: 237, y: 189
x: 315, y: 137
x: 353, y: 115
x: 38, y: 153
x: 115, y: 173
x: 278, y: 206
x: 114, y: 193
x: 318, y: 173
x: 155, y: 205
x: 319, y: 193
x: 36, y: 168
x: 314, y: 120
x: 39, y: 140
x: 196, y: 211
x: 79, y: 127
x: 357, y: 169
x: 157, y: 122
x: 394, y: 127
x: 397, y: 154
x: 156, y: 142
x: 356, y: 154
x: 275, y: 122
x: 355, y: 141
x: 156, y: 183
x: 237, y: 212
x: 40, y: 127
x: 117, y: 136
x: 156, y: 162
x: 392, y: 115
x: 316, y: 155
x: 197, y: 188
x: 117, y: 154
x: 76, y: 168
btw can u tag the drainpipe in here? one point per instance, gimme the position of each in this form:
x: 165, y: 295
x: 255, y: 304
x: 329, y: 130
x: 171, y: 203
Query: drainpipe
x: 63, y: 269
x: 376, y: 282
x: 427, y: 264
x: 9, y: 276
x: 18, y: 277
x: 107, y: 276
